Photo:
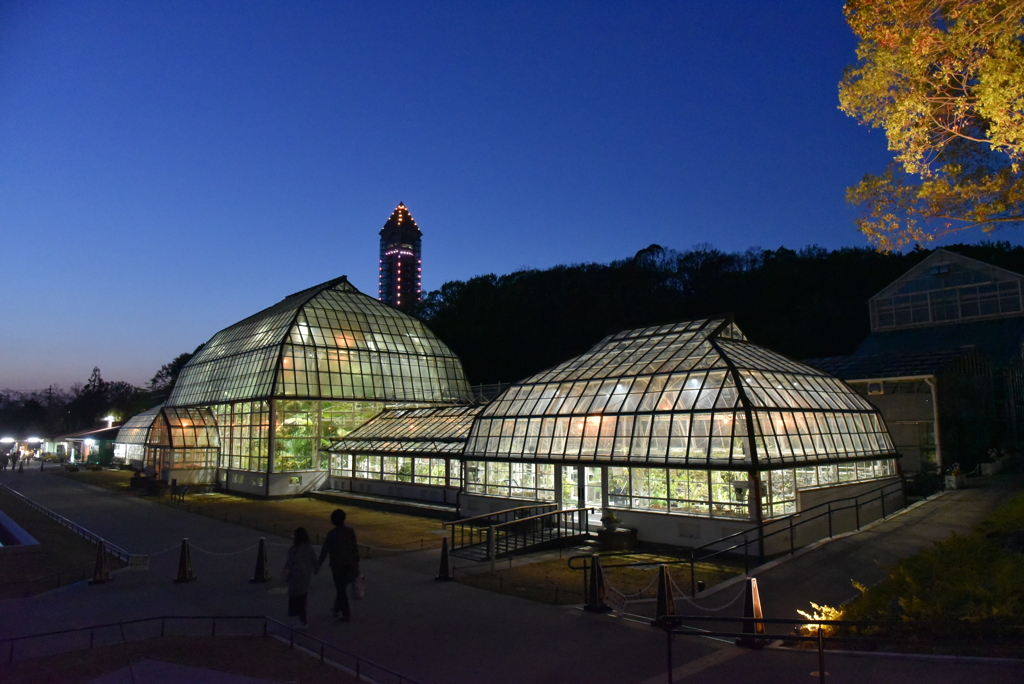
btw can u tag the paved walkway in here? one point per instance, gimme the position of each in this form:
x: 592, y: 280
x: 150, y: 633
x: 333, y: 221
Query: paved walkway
x: 824, y: 572
x: 446, y: 632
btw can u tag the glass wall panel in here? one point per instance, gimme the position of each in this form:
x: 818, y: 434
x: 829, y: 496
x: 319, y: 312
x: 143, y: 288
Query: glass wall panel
x: 690, y: 493
x: 729, y: 494
x: 295, y: 433
x: 244, y: 435
x: 528, y: 481
x: 368, y: 467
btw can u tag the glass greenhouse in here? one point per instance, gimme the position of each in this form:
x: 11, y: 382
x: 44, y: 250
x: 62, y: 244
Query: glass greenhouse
x: 288, y: 381
x: 171, y: 443
x: 414, y: 446
x: 688, y: 419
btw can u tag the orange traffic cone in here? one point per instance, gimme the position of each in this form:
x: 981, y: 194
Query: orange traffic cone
x: 102, y: 572
x: 752, y: 609
x: 444, y: 573
x: 595, y: 593
x: 262, y: 573
x: 666, y: 605
x: 185, y: 564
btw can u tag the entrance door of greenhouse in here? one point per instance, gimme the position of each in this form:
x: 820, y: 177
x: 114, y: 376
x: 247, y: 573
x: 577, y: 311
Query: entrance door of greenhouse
x: 570, y: 487
x: 583, y: 487
x: 593, y: 491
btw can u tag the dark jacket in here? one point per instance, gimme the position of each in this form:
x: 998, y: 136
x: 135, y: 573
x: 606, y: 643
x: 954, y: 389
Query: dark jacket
x: 340, y: 545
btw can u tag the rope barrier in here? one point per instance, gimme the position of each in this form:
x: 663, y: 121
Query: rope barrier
x: 679, y: 594
x: 634, y: 595
x: 173, y: 548
x: 682, y: 595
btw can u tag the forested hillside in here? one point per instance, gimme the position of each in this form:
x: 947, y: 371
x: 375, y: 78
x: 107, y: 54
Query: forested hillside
x: 805, y: 303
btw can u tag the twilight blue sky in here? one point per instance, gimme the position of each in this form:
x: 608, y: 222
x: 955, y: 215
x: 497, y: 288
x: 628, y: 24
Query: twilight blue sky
x: 169, y: 168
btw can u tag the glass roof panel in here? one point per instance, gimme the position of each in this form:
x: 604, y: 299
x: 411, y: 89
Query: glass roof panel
x: 426, y: 431
x: 331, y: 342
x: 136, y: 429
x: 669, y: 396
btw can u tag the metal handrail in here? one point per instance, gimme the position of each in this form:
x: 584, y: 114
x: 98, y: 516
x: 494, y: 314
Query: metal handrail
x: 791, y: 516
x: 133, y: 560
x: 360, y: 662
x: 477, y: 532
x: 502, y: 511
x: 753, y: 633
x: 790, y: 528
x: 830, y: 509
x: 523, y: 532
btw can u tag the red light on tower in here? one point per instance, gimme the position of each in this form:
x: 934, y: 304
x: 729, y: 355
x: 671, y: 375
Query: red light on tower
x: 399, y: 239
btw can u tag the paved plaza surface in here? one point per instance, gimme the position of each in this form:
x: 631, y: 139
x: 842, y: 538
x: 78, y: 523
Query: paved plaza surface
x: 437, y: 632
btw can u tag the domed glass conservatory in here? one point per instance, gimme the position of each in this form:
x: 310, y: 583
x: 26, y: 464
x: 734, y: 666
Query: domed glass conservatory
x: 287, y: 381
x: 687, y: 420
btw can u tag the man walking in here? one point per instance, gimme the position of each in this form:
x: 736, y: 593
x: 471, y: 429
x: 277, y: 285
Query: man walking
x: 340, y: 545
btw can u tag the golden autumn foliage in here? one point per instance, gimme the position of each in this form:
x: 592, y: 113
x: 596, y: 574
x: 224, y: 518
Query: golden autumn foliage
x: 945, y: 80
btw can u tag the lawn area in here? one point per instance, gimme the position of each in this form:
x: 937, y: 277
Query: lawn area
x: 553, y: 581
x: 61, y: 557
x: 378, y: 531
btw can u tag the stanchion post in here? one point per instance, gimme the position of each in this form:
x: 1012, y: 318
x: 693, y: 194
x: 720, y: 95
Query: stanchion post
x: 492, y: 546
x: 444, y: 573
x: 693, y: 576
x: 262, y: 571
x: 821, y: 654
x: 746, y: 555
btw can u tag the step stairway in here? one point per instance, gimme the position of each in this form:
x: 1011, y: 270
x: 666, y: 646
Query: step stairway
x: 509, y: 544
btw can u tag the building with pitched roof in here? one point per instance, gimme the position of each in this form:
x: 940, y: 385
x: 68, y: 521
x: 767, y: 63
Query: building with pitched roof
x: 687, y: 419
x: 944, y: 361
x: 288, y: 381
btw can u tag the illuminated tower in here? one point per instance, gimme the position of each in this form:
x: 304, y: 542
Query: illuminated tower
x: 399, y: 283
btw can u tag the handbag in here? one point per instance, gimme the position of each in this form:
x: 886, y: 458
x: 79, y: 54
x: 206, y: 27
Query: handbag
x: 358, y: 588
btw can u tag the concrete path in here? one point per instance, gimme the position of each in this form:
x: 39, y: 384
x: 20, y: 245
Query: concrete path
x: 432, y: 631
x: 825, y: 573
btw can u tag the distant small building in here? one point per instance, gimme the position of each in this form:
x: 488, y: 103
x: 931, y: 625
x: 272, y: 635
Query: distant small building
x: 400, y: 279
x: 94, y: 446
x: 944, y: 362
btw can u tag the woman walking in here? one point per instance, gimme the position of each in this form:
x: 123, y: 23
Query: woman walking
x: 299, y: 569
x: 340, y: 545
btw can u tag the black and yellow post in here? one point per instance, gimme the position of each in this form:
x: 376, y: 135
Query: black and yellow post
x: 262, y: 572
x: 185, y: 573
